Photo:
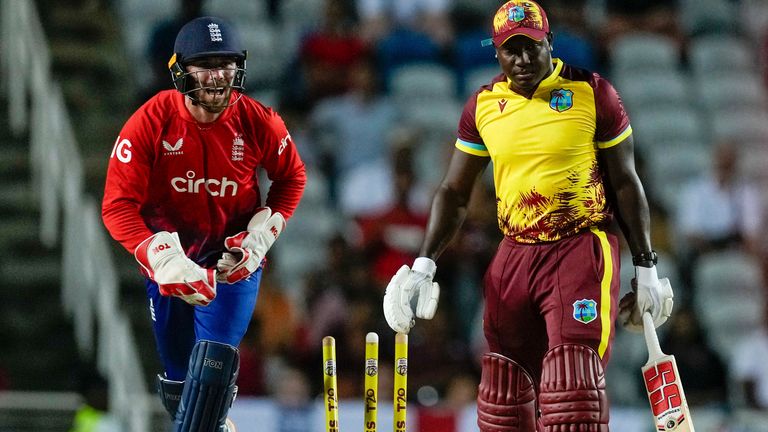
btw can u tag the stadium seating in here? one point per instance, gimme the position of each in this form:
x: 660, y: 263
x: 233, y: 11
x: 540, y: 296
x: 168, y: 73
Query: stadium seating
x: 668, y: 124
x: 266, y: 61
x: 671, y: 164
x: 404, y: 47
x: 237, y: 10
x: 651, y: 90
x: 423, y: 81
x: 720, y: 54
x: 733, y: 91
x: 644, y: 51
x: 729, y: 297
x: 742, y: 125
x: 707, y: 16
x: 301, y: 249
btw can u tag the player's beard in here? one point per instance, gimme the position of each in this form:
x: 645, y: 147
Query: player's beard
x: 213, y: 100
x: 213, y: 94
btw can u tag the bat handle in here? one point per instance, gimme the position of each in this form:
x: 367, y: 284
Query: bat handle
x: 651, y: 338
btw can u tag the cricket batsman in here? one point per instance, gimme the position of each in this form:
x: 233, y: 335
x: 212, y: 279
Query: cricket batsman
x: 182, y: 195
x: 561, y: 147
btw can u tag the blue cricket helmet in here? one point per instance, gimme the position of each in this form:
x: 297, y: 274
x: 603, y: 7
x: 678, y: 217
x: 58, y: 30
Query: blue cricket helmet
x: 207, y: 37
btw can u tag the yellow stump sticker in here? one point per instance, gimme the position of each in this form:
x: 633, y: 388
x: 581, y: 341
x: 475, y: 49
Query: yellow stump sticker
x: 371, y: 381
x: 401, y: 381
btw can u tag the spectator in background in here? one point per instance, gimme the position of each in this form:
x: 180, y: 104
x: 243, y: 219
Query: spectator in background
x: 326, y: 291
x: 574, y: 42
x: 392, y: 236
x: 372, y: 187
x: 352, y: 129
x: 379, y: 18
x: 646, y: 16
x: 406, y: 31
x: 341, y: 302
x: 717, y: 210
x: 701, y: 368
x: 748, y: 366
x: 161, y: 43
x: 325, y: 57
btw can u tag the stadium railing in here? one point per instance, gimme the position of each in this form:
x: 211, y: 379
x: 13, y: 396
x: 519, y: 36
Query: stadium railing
x: 69, y: 217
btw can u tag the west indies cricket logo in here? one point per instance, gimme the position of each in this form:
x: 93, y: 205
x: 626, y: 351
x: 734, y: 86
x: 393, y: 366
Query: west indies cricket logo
x: 585, y: 310
x: 516, y: 14
x: 561, y: 100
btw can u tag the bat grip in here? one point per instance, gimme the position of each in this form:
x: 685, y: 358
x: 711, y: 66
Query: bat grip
x: 651, y: 338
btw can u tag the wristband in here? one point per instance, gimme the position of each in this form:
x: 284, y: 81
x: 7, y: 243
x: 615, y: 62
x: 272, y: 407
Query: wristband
x: 645, y: 258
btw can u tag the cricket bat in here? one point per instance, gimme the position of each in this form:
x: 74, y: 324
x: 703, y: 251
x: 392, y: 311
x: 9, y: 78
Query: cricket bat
x: 663, y: 385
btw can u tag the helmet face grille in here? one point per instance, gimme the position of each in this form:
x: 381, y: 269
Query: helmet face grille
x: 212, y: 81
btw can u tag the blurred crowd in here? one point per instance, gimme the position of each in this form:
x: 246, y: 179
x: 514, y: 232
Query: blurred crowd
x: 373, y: 164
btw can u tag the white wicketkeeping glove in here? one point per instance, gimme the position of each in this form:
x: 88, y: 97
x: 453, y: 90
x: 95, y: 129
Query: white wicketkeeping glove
x: 162, y: 257
x: 405, y: 284
x: 248, y: 248
x: 651, y: 294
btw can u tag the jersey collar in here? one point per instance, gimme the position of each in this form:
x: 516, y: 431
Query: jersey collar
x: 551, y: 78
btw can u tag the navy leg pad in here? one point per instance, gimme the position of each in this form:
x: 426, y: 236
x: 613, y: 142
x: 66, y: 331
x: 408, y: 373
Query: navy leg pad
x: 170, y: 394
x: 209, y: 389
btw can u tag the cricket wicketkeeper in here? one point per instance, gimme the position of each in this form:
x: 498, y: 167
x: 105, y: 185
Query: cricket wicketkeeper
x: 182, y: 194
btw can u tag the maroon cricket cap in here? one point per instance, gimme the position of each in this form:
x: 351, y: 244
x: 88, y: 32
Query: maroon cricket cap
x: 518, y: 17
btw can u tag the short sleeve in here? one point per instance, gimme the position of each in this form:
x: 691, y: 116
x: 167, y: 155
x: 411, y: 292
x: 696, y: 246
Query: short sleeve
x: 468, y: 137
x: 612, y: 120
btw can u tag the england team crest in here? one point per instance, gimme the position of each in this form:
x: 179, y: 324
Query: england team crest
x: 585, y: 310
x: 561, y: 100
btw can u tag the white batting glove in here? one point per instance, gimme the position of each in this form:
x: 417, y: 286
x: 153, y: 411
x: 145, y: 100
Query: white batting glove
x: 248, y: 248
x: 649, y: 294
x: 405, y: 284
x: 162, y: 257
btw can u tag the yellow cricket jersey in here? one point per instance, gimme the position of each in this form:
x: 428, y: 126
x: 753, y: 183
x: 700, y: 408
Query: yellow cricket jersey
x: 544, y: 150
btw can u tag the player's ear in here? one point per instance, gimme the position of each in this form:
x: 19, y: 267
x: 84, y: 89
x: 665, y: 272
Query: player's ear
x: 550, y: 38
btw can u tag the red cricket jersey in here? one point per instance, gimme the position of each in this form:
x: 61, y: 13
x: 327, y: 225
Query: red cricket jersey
x: 167, y: 172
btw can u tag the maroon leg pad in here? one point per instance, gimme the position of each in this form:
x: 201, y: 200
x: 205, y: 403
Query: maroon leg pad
x: 572, y: 396
x: 506, y: 399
